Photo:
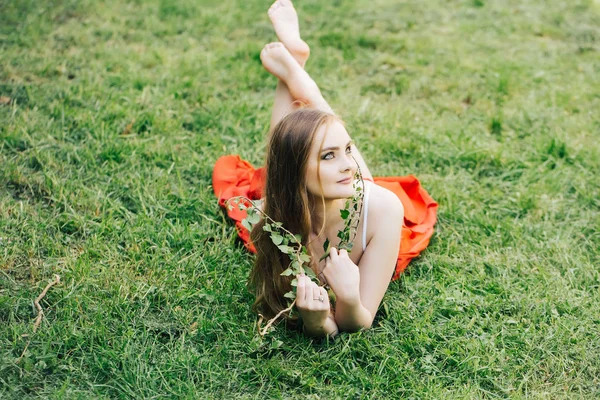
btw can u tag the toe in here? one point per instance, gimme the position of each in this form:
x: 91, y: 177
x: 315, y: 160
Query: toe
x: 274, y: 6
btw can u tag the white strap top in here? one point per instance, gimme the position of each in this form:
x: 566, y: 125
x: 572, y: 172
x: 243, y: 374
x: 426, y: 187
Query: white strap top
x: 366, y: 212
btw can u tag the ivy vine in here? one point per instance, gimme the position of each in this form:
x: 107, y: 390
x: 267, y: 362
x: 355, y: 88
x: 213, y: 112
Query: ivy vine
x: 291, y: 244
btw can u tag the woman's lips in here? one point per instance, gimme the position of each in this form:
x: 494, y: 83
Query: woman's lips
x: 345, y: 181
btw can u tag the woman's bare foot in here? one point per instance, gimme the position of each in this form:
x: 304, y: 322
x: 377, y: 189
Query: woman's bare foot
x: 285, y: 21
x: 277, y: 59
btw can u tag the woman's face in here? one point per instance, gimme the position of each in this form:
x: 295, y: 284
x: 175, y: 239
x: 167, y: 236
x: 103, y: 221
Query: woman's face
x: 334, y: 162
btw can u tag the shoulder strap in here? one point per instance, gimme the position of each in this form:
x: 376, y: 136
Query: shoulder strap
x: 366, y: 212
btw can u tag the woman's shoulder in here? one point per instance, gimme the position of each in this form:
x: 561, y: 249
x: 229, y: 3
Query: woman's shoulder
x: 383, y: 203
x: 385, y: 215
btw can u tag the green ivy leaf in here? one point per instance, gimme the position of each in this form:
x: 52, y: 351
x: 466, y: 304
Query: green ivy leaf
x: 344, y: 213
x: 310, y: 273
x: 287, y: 272
x: 276, y: 238
x: 286, y: 249
x: 305, y: 258
x: 347, y: 246
x: 294, y: 282
x: 290, y: 295
x: 246, y: 224
x: 253, y: 217
x: 267, y: 227
x: 326, y: 249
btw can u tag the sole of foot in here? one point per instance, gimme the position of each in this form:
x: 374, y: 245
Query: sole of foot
x: 284, y: 18
x: 277, y: 59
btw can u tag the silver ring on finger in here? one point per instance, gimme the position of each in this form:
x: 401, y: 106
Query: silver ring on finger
x: 324, y: 293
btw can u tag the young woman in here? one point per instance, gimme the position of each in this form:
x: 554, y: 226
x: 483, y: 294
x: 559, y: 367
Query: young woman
x: 311, y: 162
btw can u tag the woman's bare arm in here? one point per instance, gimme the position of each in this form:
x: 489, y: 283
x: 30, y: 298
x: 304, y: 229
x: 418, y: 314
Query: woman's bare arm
x: 377, y: 263
x: 379, y: 259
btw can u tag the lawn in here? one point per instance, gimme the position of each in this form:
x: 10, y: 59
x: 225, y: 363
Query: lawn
x: 112, y: 115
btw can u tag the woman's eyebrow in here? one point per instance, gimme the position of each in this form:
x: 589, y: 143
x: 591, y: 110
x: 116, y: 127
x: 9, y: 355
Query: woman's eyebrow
x: 336, y: 147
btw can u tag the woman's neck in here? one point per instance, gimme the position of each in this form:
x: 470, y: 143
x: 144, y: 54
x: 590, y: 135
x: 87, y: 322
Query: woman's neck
x: 325, y: 213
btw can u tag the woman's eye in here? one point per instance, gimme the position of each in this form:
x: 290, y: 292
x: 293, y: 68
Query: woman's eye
x: 328, y: 156
x: 349, y: 149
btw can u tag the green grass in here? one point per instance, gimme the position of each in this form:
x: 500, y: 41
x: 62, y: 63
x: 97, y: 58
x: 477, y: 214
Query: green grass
x: 119, y: 110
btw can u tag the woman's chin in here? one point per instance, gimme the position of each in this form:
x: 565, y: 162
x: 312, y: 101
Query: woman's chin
x: 339, y: 193
x: 343, y: 194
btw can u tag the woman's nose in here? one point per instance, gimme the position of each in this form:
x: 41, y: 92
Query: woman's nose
x: 347, y: 165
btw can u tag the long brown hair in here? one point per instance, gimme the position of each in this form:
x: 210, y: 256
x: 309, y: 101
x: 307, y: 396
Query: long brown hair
x: 287, y: 201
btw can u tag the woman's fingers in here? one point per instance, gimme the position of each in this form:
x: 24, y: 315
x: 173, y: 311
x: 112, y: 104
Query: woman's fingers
x: 333, y: 254
x: 336, y: 258
x: 309, y: 295
x: 309, y: 290
x: 325, y: 295
x: 327, y: 264
x: 320, y: 300
x: 316, y: 292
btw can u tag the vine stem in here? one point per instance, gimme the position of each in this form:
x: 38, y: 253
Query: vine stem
x: 265, y: 215
x: 272, y: 320
x: 352, y: 223
x: 264, y: 330
x: 362, y: 199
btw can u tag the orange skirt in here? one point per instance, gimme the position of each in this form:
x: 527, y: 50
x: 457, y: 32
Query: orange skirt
x: 233, y: 177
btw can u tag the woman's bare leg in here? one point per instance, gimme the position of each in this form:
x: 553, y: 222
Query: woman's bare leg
x: 277, y: 60
x: 294, y: 83
x: 300, y: 86
x: 283, y: 103
x: 285, y: 21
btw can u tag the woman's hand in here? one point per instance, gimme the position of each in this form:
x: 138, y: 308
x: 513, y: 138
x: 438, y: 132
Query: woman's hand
x: 343, y: 276
x: 312, y: 302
